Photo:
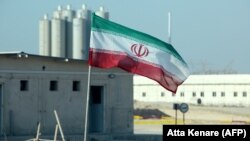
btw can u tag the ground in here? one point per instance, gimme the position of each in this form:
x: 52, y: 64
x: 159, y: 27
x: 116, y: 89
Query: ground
x: 197, y: 114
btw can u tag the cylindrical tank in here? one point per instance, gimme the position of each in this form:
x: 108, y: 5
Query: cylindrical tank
x: 45, y: 36
x: 102, y: 13
x: 85, y: 14
x: 58, y: 13
x: 58, y: 37
x: 68, y: 15
x: 80, y: 50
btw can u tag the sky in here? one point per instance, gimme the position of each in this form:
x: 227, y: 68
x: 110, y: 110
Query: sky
x: 210, y: 35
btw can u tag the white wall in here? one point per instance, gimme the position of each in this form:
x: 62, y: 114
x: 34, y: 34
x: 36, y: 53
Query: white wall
x: 207, y: 84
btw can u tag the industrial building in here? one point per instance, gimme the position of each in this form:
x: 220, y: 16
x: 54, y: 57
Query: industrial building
x: 210, y: 89
x: 33, y: 86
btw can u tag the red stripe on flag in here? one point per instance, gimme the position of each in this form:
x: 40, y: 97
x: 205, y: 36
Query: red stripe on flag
x: 121, y: 60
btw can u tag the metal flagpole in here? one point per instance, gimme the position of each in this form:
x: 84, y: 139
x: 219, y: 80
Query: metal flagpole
x: 87, y: 105
x: 169, y: 27
x: 169, y: 41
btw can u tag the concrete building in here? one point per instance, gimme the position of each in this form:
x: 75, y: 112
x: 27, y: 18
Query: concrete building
x: 216, y: 89
x: 33, y: 86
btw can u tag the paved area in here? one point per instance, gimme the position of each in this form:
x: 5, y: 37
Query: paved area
x: 195, y: 115
x: 148, y: 129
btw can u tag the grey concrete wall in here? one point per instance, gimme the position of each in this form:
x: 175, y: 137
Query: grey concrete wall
x: 22, y: 110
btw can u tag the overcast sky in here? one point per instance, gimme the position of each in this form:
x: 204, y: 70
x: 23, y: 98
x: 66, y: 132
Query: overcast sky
x: 208, y: 34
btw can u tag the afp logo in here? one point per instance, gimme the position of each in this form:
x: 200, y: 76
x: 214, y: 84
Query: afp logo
x: 139, y: 50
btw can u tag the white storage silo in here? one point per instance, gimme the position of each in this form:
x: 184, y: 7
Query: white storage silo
x: 58, y: 13
x: 102, y: 13
x: 68, y: 14
x: 84, y: 12
x: 81, y: 33
x: 45, y: 36
x: 80, y: 50
x: 58, y: 37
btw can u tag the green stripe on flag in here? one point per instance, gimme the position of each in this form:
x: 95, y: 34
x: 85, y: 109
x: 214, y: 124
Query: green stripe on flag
x: 102, y: 25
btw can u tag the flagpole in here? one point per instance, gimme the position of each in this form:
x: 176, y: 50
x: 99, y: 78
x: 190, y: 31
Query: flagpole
x: 169, y: 41
x: 169, y: 27
x: 87, y: 105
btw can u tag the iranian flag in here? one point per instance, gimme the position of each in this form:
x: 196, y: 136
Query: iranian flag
x: 114, y: 45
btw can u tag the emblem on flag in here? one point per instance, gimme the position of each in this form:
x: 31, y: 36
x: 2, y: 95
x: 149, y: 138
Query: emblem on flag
x: 139, y: 50
x: 114, y: 45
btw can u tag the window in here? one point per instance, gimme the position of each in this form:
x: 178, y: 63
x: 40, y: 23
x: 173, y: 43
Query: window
x: 162, y: 94
x: 235, y: 94
x: 194, y: 94
x: 53, y: 85
x: 214, y: 94
x: 182, y: 94
x: 144, y: 94
x: 222, y: 94
x: 24, y: 85
x: 244, y: 94
x: 76, y: 86
x: 202, y: 94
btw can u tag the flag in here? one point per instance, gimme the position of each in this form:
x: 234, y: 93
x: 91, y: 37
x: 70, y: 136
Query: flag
x: 114, y: 45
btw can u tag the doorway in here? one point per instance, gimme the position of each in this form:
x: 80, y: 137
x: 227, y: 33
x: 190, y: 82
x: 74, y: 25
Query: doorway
x: 96, y: 109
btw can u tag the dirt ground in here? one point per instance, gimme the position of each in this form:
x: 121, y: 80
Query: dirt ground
x: 197, y: 114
